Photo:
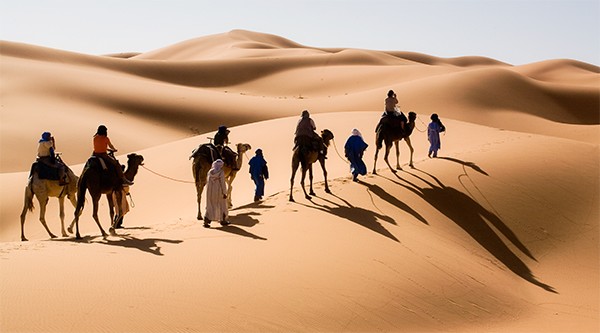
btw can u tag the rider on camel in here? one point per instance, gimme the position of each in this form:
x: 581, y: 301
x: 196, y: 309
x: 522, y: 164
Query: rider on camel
x: 391, y: 111
x: 305, y: 135
x: 46, y: 155
x: 221, y: 140
x: 101, y: 145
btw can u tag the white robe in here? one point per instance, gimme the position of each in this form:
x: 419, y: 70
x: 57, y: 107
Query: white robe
x: 216, y: 200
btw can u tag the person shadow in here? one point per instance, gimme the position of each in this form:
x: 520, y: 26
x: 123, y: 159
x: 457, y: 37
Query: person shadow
x: 473, y: 218
x: 245, y: 220
x: 363, y: 217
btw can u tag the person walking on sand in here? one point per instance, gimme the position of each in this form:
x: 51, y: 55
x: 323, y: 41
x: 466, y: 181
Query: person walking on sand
x: 433, y: 135
x: 101, y: 145
x: 354, y: 149
x: 216, y: 195
x: 259, y: 173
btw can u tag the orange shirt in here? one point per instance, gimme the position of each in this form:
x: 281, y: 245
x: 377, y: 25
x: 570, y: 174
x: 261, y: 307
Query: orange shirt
x: 101, y: 144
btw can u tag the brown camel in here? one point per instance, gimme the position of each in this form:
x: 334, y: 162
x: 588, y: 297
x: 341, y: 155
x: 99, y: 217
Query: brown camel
x: 99, y: 182
x: 391, y: 132
x: 305, y: 159
x: 203, y: 157
x: 43, y: 189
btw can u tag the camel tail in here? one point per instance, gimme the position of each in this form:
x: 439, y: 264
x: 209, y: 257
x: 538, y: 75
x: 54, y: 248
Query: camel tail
x: 28, y: 200
x: 379, y: 140
x: 81, y: 188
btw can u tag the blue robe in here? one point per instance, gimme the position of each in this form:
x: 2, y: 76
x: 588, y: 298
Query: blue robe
x: 354, y: 148
x: 433, y: 135
x: 259, y: 172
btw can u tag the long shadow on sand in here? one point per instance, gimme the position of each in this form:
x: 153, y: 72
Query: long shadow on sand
x: 360, y: 216
x: 245, y: 220
x: 381, y: 193
x: 148, y: 245
x: 473, y: 219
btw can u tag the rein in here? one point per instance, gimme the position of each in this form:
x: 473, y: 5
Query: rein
x: 167, y: 177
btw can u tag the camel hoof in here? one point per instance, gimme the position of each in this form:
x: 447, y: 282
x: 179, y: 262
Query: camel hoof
x: 327, y: 191
x: 111, y: 231
x: 292, y: 199
x: 52, y: 236
x: 411, y: 165
x: 312, y: 193
x: 78, y: 236
x: 308, y: 197
x: 70, y: 230
x: 64, y: 234
x: 23, y: 239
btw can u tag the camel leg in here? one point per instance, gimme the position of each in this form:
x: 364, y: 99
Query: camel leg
x: 294, y: 169
x: 43, y: 203
x: 61, y: 205
x: 375, y: 161
x: 229, y: 190
x: 119, y: 212
x: 75, y: 222
x: 199, y: 188
x: 302, y: 184
x: 95, y: 216
x: 27, y: 205
x: 411, y: 149
x: 386, y: 155
x: 322, y: 162
x: 310, y: 178
x: 23, y: 214
x: 396, y: 144
x: 74, y: 203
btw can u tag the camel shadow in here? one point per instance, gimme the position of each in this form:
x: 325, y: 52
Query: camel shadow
x: 381, y: 193
x: 466, y: 164
x: 473, y: 218
x: 360, y: 216
x: 148, y: 245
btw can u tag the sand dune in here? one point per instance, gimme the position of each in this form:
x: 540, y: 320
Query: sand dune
x: 499, y: 234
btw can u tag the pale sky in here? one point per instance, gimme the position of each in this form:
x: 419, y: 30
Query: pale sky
x: 513, y: 31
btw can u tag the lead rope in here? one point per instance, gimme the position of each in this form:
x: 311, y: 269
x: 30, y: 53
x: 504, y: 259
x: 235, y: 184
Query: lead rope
x: 167, y: 177
x: 338, y: 153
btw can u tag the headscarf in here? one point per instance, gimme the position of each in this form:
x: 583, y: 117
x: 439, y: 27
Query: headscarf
x: 305, y: 114
x: 45, y: 137
x: 259, y: 152
x: 216, y: 168
x: 356, y: 132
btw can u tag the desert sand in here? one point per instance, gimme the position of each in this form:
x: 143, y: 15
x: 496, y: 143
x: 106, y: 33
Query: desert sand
x: 498, y: 234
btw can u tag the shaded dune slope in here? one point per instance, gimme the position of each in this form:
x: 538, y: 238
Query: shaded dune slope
x: 177, y: 86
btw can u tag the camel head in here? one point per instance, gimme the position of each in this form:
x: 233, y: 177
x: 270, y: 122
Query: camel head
x: 134, y: 159
x: 412, y: 117
x: 327, y: 136
x: 242, y: 148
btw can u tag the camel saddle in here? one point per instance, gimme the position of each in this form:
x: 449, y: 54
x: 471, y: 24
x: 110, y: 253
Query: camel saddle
x: 391, y: 120
x: 44, y: 171
x: 211, y: 153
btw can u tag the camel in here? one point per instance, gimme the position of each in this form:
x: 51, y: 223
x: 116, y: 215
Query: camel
x: 305, y: 159
x: 99, y: 182
x: 391, y: 132
x: 43, y: 189
x: 203, y: 157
